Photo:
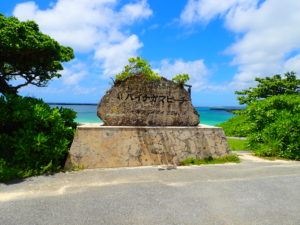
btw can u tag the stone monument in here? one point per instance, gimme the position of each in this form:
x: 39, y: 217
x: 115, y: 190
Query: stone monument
x: 146, y: 122
x: 137, y: 101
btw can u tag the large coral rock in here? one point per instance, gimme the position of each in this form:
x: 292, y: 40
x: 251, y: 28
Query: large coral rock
x: 140, y: 102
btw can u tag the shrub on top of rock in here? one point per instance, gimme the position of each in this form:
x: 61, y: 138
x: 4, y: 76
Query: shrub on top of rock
x: 137, y: 67
x: 181, y: 78
x: 140, y: 67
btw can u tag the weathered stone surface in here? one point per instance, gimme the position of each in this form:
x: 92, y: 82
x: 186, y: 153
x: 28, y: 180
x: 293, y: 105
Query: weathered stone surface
x: 139, y: 102
x: 97, y: 146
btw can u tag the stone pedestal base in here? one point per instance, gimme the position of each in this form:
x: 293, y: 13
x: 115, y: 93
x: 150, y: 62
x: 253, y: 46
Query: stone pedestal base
x: 98, y: 146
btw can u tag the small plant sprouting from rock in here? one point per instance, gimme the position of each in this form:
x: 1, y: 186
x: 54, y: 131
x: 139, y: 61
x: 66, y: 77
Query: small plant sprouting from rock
x: 181, y: 78
x: 137, y: 66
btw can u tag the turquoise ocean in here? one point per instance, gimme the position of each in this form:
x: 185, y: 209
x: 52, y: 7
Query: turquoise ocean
x: 208, y: 115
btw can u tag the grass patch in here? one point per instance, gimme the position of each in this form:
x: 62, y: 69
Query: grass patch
x: 210, y: 160
x: 73, y: 168
x: 238, y: 145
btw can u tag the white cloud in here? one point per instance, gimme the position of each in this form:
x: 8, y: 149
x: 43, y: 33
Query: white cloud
x: 205, y: 10
x: 135, y: 11
x: 77, y: 90
x: 114, y: 57
x: 268, y: 34
x: 72, y: 74
x: 93, y: 26
x: 197, y: 71
x: 293, y: 64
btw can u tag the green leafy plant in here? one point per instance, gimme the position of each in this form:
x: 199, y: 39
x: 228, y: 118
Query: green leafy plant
x: 29, y: 55
x: 237, y: 126
x: 271, y: 120
x: 34, y: 139
x: 181, y: 78
x: 137, y: 67
x: 272, y: 126
x: 275, y: 129
x: 270, y: 86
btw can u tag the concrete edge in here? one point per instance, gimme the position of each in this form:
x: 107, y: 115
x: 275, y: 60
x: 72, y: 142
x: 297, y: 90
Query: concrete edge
x: 237, y: 138
x: 101, y: 125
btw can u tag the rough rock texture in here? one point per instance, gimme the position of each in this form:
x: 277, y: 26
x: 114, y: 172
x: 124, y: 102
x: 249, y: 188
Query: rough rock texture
x: 97, y: 146
x: 139, y: 102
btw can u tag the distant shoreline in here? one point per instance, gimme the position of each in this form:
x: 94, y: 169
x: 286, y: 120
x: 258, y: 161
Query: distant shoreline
x: 210, y: 107
x: 229, y: 109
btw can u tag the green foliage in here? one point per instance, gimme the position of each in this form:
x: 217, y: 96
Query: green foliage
x: 275, y: 126
x: 27, y: 53
x: 272, y: 126
x: 181, y: 78
x: 137, y: 67
x: 34, y: 139
x: 238, y: 145
x: 271, y: 120
x: 210, y: 160
x: 237, y: 126
x: 270, y: 86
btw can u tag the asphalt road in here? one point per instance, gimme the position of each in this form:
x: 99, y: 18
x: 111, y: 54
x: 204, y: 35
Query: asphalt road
x: 252, y: 192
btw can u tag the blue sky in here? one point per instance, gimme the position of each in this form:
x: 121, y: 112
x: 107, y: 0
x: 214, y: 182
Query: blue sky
x: 222, y: 44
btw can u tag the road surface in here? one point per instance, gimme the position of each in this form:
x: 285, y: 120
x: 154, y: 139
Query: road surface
x: 255, y: 191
